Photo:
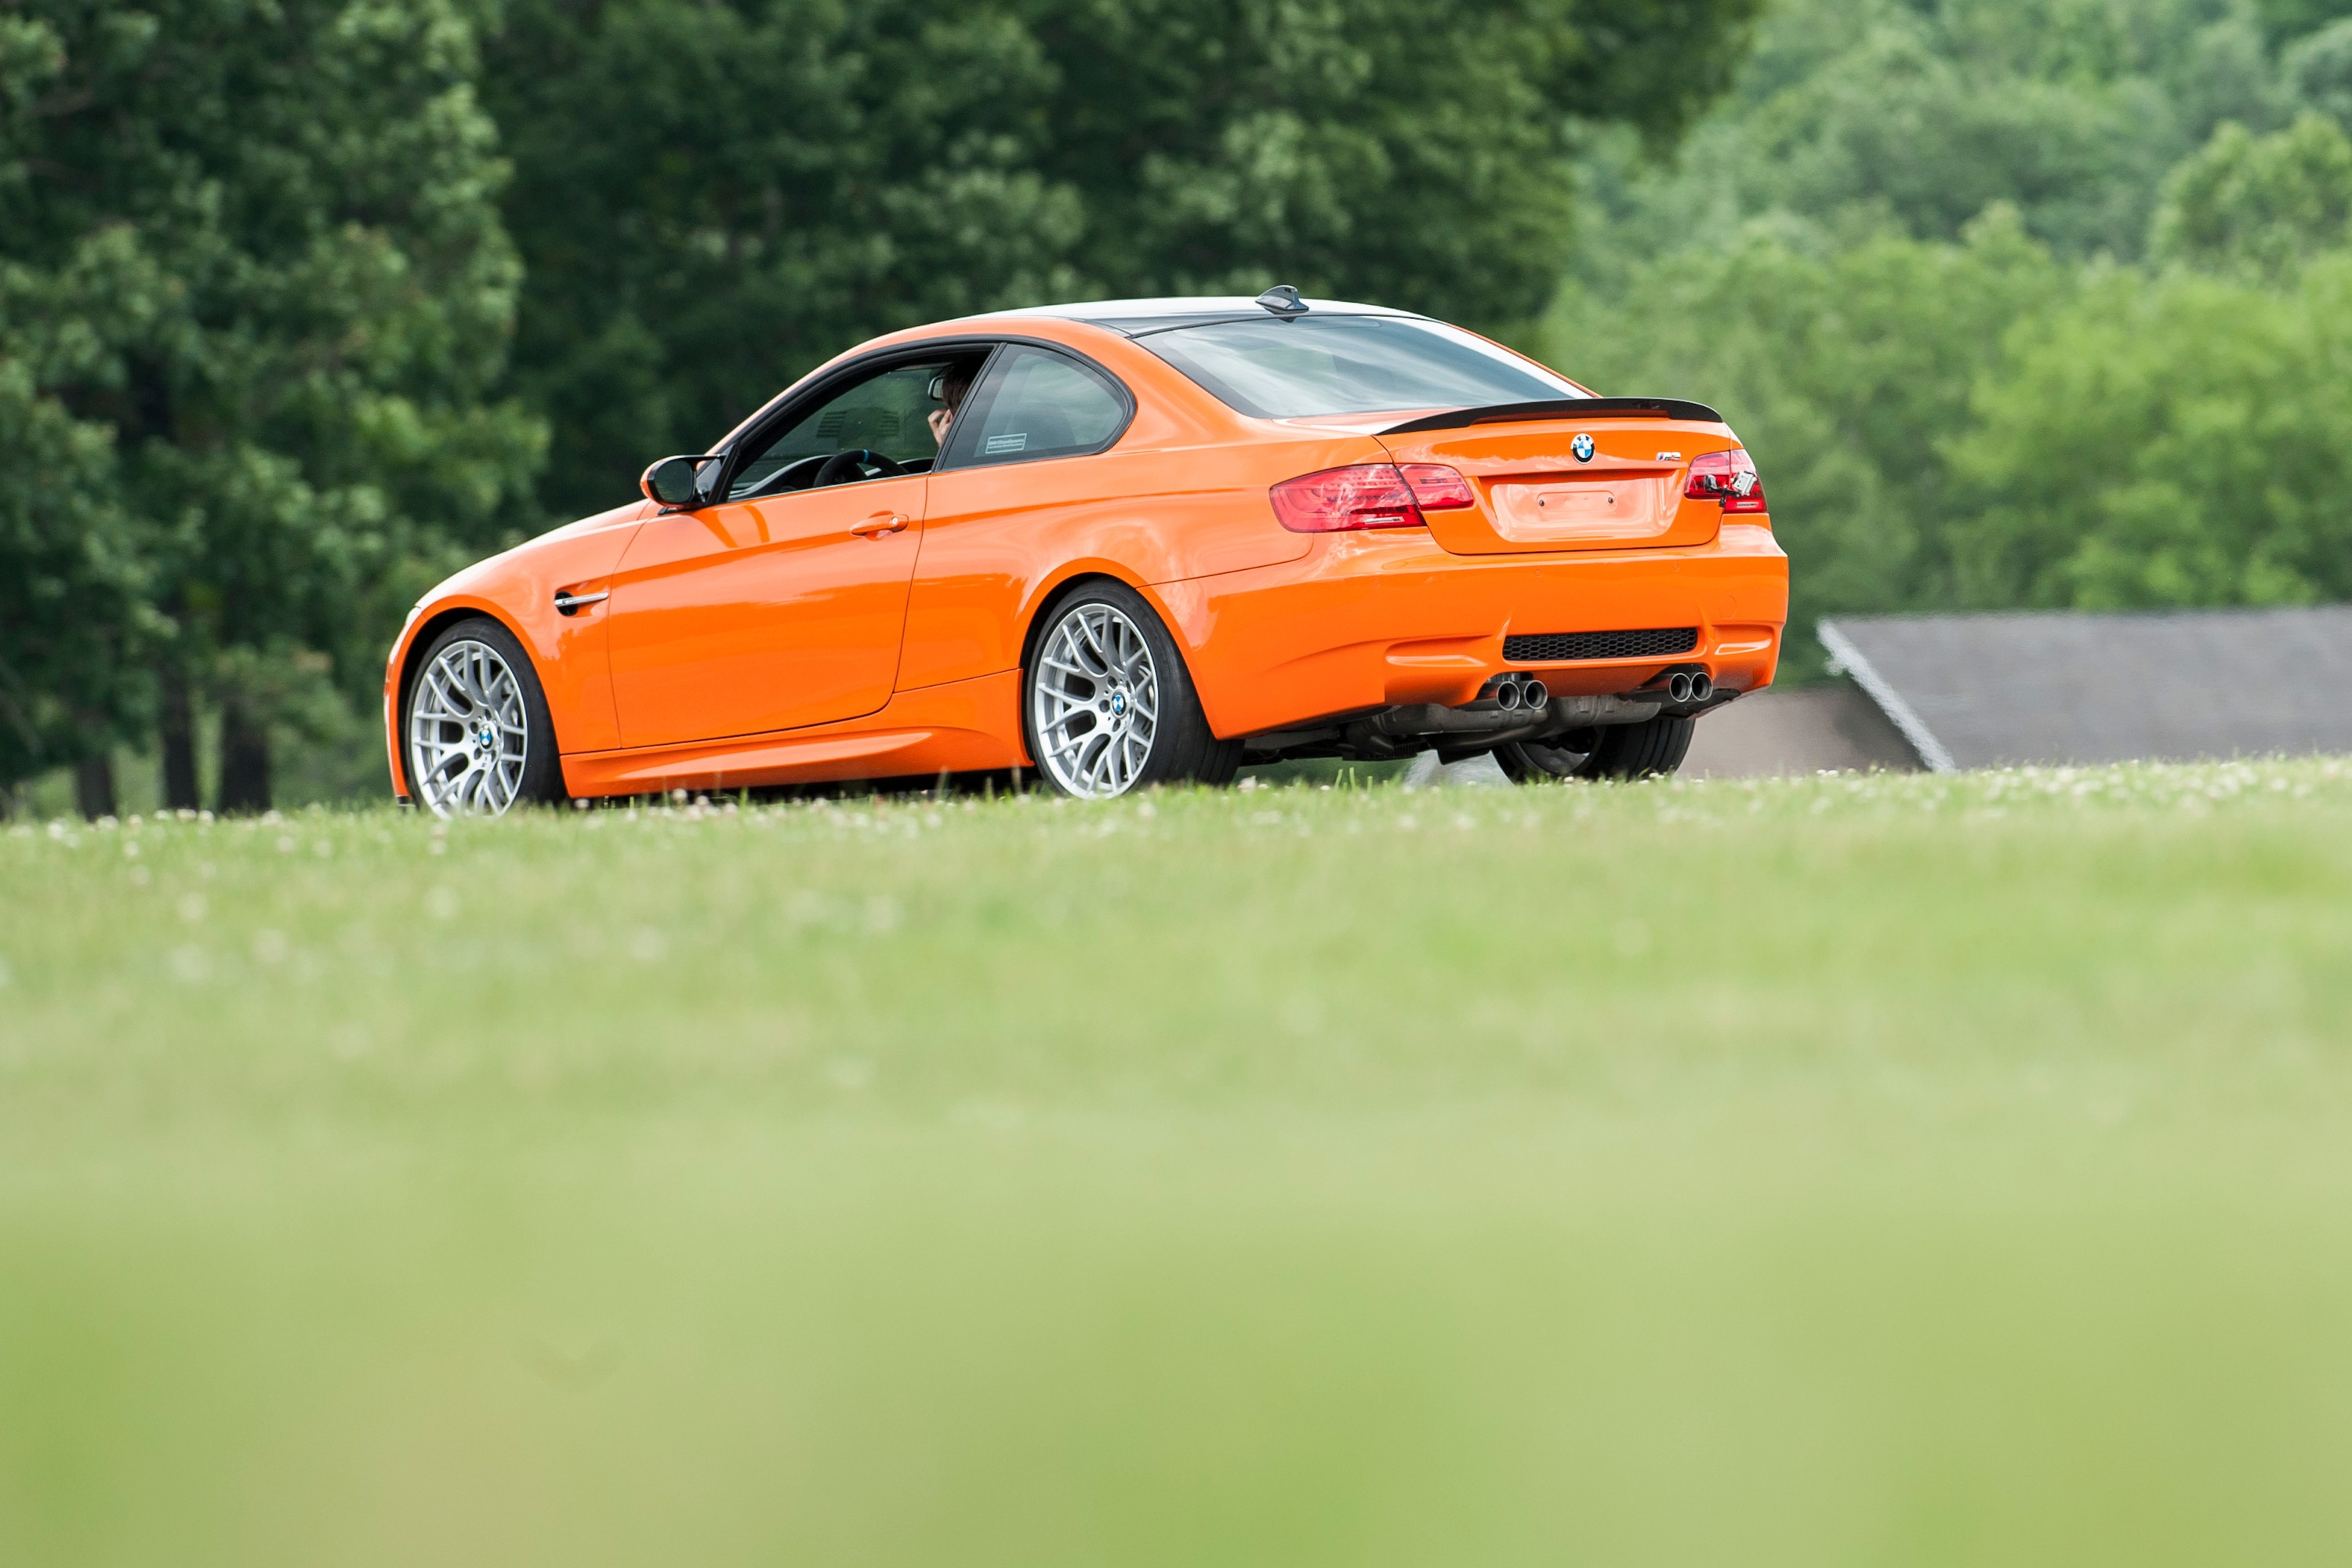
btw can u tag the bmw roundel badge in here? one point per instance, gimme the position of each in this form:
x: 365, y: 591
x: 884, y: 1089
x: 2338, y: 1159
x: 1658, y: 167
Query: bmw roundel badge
x: 1582, y: 447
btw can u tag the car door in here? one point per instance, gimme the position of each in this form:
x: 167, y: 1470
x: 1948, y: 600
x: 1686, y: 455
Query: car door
x: 782, y: 605
x: 1027, y: 481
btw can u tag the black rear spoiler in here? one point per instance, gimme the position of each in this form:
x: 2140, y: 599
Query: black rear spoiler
x: 1562, y: 408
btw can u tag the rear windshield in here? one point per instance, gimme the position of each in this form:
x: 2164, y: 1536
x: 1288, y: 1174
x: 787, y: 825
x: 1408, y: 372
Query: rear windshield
x: 1277, y: 369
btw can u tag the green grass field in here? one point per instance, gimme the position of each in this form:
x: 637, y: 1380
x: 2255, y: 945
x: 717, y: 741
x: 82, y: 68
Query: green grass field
x: 1815, y: 1172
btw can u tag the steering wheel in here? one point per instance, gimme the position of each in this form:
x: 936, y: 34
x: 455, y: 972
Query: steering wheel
x: 852, y: 464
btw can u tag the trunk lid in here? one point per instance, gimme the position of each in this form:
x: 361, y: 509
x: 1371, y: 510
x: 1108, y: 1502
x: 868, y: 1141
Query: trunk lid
x: 1607, y: 475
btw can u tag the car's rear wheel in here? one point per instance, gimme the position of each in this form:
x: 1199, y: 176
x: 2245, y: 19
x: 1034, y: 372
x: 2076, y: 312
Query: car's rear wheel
x: 1109, y: 704
x: 1648, y: 749
x: 475, y: 727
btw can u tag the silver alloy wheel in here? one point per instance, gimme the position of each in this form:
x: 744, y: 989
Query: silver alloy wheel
x: 468, y: 734
x: 1094, y: 706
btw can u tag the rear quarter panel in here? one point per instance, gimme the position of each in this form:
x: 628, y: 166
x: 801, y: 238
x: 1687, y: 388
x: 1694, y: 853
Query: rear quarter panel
x: 1183, y: 496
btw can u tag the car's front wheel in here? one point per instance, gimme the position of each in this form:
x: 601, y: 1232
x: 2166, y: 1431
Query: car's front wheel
x: 475, y: 725
x: 1648, y: 749
x: 1109, y: 704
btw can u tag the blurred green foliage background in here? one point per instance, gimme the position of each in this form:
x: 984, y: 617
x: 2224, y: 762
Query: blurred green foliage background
x: 303, y: 303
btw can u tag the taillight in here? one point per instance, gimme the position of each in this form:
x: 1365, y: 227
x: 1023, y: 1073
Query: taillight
x: 1368, y: 495
x: 1437, y: 488
x: 1728, y: 477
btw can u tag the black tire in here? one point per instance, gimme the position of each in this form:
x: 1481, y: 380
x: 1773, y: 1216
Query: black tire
x: 1651, y: 749
x: 1532, y: 762
x: 539, y: 779
x: 1182, y: 748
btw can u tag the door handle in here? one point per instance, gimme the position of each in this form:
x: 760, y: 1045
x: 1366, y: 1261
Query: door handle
x: 880, y: 523
x: 572, y: 604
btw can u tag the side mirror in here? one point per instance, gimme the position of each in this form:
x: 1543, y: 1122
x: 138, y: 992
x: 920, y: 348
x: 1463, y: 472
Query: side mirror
x: 671, y: 481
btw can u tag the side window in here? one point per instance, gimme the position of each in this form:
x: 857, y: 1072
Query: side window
x: 889, y: 415
x: 1033, y: 404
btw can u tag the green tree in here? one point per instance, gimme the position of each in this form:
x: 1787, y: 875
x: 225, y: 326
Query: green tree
x: 274, y: 298
x: 73, y: 622
x: 2260, y: 205
x: 1353, y: 147
x: 74, y: 627
x: 2316, y: 70
x: 2295, y: 18
x: 2180, y: 439
x: 1852, y: 115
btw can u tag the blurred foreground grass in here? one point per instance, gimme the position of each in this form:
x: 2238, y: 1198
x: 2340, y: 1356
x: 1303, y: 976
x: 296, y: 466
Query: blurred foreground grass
x: 1835, y: 1171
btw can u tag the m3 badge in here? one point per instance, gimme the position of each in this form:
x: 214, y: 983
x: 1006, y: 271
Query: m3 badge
x: 1581, y: 446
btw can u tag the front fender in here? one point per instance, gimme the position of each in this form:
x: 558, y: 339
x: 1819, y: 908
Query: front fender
x: 518, y: 589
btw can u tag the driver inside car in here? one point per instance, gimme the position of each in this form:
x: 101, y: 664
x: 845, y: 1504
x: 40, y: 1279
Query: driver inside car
x: 947, y: 389
x: 892, y: 423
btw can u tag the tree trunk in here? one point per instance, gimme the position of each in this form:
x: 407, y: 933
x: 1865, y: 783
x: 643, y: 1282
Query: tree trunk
x: 94, y: 785
x: 179, y: 739
x: 245, y: 759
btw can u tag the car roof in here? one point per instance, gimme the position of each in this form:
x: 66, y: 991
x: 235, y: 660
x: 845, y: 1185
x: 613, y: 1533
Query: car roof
x: 1137, y: 318
x: 1127, y: 318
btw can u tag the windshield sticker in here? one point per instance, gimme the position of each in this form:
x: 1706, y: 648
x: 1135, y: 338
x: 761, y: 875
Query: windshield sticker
x: 1012, y: 443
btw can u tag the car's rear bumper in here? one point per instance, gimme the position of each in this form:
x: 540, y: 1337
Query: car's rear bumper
x: 1374, y: 619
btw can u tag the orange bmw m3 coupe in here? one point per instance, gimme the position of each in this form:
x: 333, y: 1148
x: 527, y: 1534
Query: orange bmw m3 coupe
x: 1118, y: 544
